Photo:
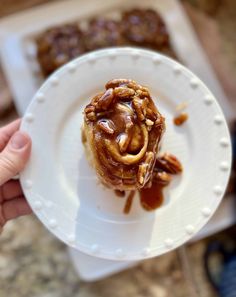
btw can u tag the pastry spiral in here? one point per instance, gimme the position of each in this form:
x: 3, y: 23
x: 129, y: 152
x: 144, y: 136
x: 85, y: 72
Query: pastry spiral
x: 122, y: 131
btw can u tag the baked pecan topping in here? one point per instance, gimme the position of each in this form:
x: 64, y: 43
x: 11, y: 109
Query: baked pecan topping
x: 169, y: 163
x: 123, y: 134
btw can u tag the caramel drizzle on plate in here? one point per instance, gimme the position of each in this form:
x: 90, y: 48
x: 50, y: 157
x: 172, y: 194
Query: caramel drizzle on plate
x: 151, y: 196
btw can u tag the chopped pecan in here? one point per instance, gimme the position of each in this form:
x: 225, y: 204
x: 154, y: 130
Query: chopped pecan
x: 169, y: 164
x: 90, y: 112
x: 161, y: 177
x: 144, y: 89
x: 91, y: 116
x: 149, y: 122
x: 133, y: 85
x: 142, y: 171
x: 124, y: 92
x: 144, y: 168
x: 105, y: 100
x: 118, y: 82
x: 151, y: 114
x: 180, y: 119
x: 138, y: 105
x: 96, y: 98
x: 142, y: 93
x: 89, y: 108
x: 107, y: 126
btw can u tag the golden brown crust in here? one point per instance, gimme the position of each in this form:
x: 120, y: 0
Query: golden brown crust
x: 123, y: 129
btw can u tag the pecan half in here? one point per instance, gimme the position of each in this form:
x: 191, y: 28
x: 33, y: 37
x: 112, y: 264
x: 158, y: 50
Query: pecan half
x: 142, y: 93
x: 107, y: 126
x: 89, y: 108
x: 169, y: 164
x: 96, y: 98
x: 118, y: 82
x: 124, y: 92
x: 161, y: 178
x: 140, y: 108
x: 105, y: 100
x: 151, y: 114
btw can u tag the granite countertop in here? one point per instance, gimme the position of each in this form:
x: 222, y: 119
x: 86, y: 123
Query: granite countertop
x: 33, y: 263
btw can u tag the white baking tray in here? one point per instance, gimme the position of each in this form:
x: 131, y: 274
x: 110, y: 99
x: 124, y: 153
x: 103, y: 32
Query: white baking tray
x: 16, y: 51
x: 17, y: 57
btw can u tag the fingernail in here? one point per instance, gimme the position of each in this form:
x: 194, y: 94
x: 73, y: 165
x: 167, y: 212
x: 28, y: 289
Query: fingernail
x: 19, y: 140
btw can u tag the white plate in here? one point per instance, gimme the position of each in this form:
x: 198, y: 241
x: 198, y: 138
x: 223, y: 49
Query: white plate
x: 62, y: 188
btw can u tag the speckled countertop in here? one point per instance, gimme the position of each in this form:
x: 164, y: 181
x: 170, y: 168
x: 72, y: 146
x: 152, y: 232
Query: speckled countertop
x: 35, y: 264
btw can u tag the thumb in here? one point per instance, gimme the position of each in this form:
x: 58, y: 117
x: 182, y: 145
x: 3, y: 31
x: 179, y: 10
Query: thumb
x: 15, y: 155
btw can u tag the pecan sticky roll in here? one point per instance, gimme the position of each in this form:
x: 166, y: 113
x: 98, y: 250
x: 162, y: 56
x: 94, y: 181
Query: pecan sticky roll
x: 103, y: 33
x: 59, y: 45
x: 123, y: 129
x: 145, y: 27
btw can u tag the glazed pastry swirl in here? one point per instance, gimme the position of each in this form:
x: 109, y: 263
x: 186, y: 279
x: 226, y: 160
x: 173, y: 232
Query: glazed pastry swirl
x: 123, y: 128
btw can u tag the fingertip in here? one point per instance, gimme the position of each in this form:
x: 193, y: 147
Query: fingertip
x: 15, y: 208
x: 20, y: 140
x: 15, y: 156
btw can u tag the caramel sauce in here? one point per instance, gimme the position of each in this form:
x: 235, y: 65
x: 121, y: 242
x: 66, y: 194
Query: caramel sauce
x: 120, y: 193
x: 180, y: 119
x: 129, y: 202
x: 152, y: 198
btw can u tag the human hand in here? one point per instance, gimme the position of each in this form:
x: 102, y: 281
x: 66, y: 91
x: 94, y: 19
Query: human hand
x: 15, y: 147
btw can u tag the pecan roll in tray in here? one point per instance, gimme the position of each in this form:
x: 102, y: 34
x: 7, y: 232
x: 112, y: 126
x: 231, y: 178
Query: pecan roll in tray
x: 122, y: 131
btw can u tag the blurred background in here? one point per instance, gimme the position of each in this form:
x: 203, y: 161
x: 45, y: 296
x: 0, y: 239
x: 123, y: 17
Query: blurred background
x: 35, y: 264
